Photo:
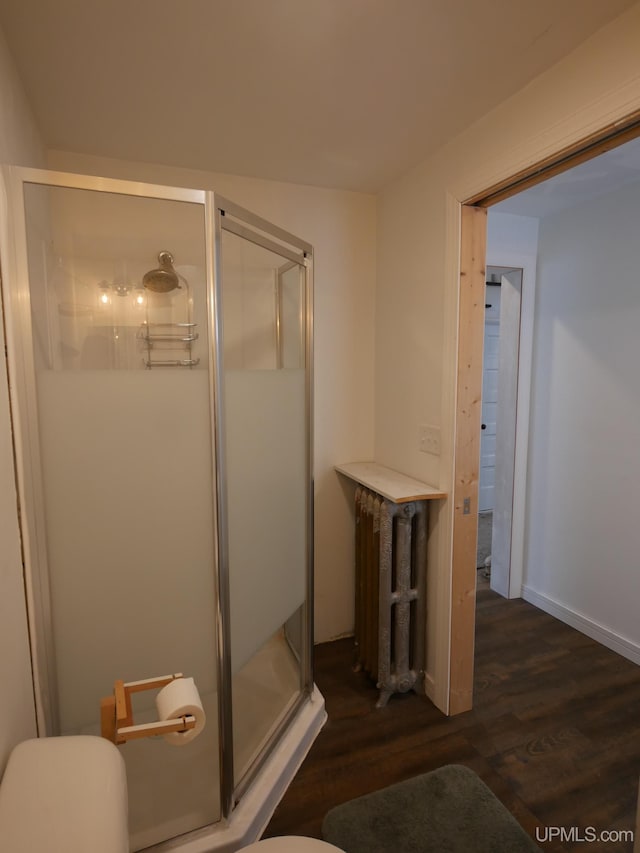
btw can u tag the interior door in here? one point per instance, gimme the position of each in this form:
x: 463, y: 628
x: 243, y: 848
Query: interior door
x: 503, y: 492
x: 489, y: 397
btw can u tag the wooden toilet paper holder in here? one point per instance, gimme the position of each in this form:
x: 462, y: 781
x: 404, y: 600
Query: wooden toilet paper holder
x: 116, y: 714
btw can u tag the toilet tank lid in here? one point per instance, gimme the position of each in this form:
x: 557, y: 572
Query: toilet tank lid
x: 64, y: 794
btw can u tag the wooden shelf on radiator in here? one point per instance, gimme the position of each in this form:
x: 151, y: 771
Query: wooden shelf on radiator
x: 390, y: 566
x: 392, y: 485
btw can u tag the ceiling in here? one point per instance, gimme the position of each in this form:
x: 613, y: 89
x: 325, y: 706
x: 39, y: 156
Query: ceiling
x: 339, y: 93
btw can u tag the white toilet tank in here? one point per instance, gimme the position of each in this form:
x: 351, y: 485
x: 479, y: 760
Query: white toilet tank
x: 64, y: 795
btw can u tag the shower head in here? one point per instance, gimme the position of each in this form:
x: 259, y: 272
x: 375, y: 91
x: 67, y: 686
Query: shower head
x: 164, y: 278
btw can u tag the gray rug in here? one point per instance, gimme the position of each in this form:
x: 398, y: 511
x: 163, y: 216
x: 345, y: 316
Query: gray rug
x: 449, y: 810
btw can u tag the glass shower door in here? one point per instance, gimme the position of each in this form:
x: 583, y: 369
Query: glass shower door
x: 119, y: 351
x: 163, y: 433
x: 266, y: 458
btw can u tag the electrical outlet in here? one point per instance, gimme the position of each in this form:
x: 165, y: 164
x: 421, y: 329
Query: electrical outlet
x: 429, y: 439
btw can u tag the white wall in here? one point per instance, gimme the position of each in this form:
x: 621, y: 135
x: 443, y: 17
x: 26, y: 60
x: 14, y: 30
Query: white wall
x: 19, y: 144
x: 510, y: 239
x: 341, y: 226
x: 583, y: 534
x: 418, y: 258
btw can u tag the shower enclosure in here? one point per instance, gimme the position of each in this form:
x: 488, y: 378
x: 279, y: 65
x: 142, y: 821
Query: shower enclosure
x: 161, y: 361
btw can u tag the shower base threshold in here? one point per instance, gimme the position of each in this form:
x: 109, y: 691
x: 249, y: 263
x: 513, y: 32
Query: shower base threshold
x: 252, y: 814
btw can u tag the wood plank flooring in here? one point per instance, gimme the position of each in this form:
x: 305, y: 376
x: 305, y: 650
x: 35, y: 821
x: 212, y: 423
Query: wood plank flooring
x: 555, y: 731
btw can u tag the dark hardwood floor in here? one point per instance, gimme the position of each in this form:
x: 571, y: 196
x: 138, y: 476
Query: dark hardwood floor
x: 555, y: 731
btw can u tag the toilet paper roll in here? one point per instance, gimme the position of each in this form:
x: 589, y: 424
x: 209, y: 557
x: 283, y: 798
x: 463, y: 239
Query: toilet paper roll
x: 177, y: 699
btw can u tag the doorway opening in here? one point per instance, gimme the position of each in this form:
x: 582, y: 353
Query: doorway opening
x: 500, y: 381
x: 468, y: 408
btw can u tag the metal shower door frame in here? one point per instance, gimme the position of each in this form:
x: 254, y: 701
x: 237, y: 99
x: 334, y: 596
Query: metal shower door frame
x: 230, y: 217
x: 24, y: 415
x: 24, y: 408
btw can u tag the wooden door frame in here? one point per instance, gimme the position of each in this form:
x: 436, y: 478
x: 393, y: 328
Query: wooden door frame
x: 468, y: 393
x: 473, y: 250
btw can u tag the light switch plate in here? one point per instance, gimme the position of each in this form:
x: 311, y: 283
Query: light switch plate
x: 429, y: 439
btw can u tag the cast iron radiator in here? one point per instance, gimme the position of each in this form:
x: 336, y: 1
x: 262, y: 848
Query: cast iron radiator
x: 391, y: 551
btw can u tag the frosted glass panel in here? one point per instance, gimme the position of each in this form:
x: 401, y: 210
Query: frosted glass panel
x: 267, y: 488
x: 125, y: 440
x: 266, y: 470
x: 129, y: 513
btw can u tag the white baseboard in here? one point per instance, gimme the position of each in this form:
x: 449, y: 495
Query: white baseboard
x: 600, y: 633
